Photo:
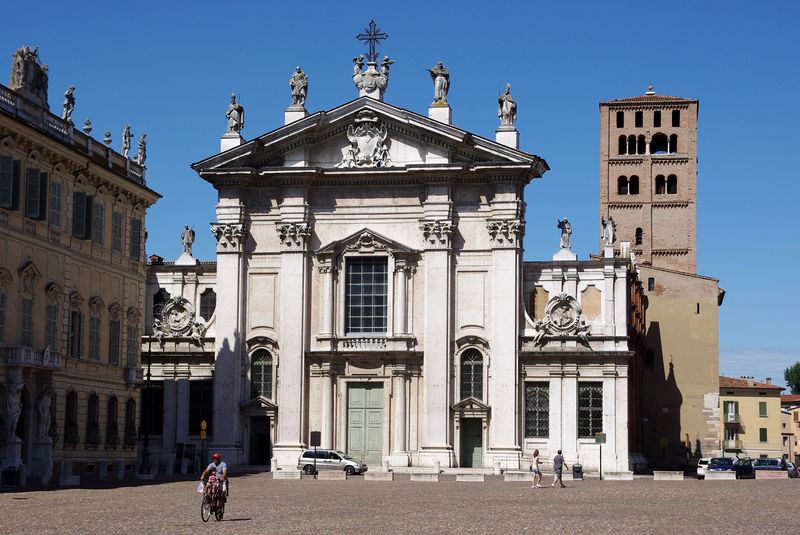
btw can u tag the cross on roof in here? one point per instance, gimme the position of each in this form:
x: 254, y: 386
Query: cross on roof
x: 372, y: 35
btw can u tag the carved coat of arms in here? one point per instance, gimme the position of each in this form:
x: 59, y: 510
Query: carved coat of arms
x: 368, y: 146
x: 562, y: 317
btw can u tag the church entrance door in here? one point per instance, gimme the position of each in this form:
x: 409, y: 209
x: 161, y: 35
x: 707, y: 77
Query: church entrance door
x: 259, y: 440
x: 471, y: 443
x: 365, y: 422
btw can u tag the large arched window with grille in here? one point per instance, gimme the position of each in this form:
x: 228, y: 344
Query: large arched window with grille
x: 471, y: 374
x: 261, y: 374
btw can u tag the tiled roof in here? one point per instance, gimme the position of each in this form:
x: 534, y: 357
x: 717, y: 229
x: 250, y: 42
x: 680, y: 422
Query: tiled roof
x: 650, y: 98
x: 790, y: 398
x: 731, y: 382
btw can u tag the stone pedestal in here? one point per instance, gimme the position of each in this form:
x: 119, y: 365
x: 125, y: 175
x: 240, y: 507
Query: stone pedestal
x: 67, y: 479
x: 186, y: 259
x: 294, y: 113
x: 120, y: 470
x: 441, y: 112
x: 229, y: 141
x: 608, y: 251
x: 565, y: 254
x: 12, y: 453
x: 508, y: 136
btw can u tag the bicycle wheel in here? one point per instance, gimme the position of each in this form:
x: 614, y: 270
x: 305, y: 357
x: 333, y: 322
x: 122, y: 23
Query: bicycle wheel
x: 220, y: 511
x: 205, y: 508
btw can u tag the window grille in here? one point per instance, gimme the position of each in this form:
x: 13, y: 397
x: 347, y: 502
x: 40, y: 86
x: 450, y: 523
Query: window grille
x: 537, y: 410
x: 366, y: 295
x: 261, y: 374
x: 590, y: 409
x: 472, y: 374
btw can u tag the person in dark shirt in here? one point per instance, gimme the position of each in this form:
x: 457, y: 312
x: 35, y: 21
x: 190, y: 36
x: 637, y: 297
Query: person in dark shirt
x: 558, y: 466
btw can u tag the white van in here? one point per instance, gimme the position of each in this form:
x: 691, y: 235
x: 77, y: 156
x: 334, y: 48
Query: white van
x: 329, y: 460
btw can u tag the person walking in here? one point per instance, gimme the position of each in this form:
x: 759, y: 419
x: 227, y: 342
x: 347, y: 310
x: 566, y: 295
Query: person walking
x: 536, y: 469
x: 558, y: 466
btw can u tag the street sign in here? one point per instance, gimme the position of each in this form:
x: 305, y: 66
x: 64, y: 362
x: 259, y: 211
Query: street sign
x: 599, y: 438
x: 316, y: 438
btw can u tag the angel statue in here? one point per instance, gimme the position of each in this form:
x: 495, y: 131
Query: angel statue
x: 566, y: 233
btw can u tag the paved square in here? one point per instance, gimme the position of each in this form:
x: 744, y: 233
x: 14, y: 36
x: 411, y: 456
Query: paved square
x: 260, y: 504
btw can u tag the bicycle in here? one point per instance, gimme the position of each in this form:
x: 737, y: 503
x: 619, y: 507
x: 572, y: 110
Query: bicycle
x: 214, y: 504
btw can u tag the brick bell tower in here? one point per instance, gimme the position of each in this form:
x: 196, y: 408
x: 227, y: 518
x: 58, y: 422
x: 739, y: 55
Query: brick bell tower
x: 648, y: 176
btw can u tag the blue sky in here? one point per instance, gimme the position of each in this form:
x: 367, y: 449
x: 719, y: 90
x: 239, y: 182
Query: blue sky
x: 168, y: 69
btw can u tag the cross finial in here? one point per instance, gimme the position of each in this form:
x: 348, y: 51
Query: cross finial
x: 372, y: 34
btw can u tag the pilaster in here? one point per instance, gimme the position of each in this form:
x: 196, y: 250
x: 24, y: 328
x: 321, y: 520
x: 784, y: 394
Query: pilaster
x: 399, y: 452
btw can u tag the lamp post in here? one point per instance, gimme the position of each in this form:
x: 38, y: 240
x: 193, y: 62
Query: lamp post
x: 145, y: 467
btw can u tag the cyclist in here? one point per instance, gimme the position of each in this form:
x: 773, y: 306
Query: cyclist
x: 217, y: 465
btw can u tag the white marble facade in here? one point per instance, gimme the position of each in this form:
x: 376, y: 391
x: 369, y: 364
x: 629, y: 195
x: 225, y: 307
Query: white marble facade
x: 433, y: 223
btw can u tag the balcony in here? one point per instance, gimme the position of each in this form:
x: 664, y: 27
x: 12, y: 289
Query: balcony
x: 29, y: 357
x: 731, y: 418
x: 732, y: 444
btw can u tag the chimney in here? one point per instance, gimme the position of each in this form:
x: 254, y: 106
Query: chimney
x: 750, y: 381
x: 768, y: 380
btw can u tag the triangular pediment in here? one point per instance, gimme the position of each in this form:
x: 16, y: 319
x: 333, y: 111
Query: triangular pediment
x: 324, y: 140
x: 259, y: 402
x: 471, y: 404
x: 365, y: 241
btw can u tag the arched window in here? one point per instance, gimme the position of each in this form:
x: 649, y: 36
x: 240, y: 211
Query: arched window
x: 622, y: 185
x: 93, y: 420
x: 623, y: 145
x: 620, y: 119
x: 639, y: 235
x: 112, y: 432
x: 130, y: 422
x: 472, y: 374
x: 631, y: 144
x: 208, y: 303
x: 261, y: 374
x: 672, y: 185
x: 633, y: 185
x: 658, y: 145
x: 676, y: 118
x: 661, y: 185
x: 640, y: 145
x: 657, y: 119
x: 71, y: 419
x: 651, y: 284
x: 673, y: 144
x: 639, y: 118
x: 159, y: 298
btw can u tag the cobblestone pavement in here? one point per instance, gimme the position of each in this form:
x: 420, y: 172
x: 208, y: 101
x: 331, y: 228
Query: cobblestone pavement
x: 260, y: 505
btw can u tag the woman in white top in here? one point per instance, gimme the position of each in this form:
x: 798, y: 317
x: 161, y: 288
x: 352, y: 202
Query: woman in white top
x: 537, y: 472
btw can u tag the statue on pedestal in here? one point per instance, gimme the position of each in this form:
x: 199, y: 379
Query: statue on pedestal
x: 69, y: 104
x: 126, y: 141
x: 441, y: 83
x: 507, y: 108
x: 235, y: 115
x: 187, y: 239
x: 609, y: 231
x: 566, y: 233
x: 43, y: 407
x: 13, y: 410
x: 141, y: 156
x: 299, y: 84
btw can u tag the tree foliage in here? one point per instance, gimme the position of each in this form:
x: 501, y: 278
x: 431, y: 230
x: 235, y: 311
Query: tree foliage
x: 792, y: 377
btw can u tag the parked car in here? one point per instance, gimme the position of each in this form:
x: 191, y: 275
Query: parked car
x: 329, y: 460
x: 744, y: 468
x: 702, y: 464
x: 720, y: 464
x: 792, y: 469
x: 637, y: 463
x: 769, y: 464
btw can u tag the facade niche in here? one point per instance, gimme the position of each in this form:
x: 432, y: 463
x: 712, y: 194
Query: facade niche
x: 620, y: 119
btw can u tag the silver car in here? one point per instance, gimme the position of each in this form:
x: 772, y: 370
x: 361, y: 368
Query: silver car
x: 329, y: 460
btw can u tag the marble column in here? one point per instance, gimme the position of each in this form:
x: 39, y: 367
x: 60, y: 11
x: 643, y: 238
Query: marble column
x: 327, y: 377
x: 401, y: 299
x: 328, y: 299
x: 399, y: 453
x: 292, y: 312
x: 569, y: 413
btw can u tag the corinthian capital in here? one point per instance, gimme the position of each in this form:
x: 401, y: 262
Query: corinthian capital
x: 293, y: 235
x: 229, y: 236
x: 505, y: 231
x: 436, y: 233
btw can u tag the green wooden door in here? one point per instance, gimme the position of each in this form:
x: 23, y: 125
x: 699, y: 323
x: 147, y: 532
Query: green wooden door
x: 365, y: 422
x: 471, y: 443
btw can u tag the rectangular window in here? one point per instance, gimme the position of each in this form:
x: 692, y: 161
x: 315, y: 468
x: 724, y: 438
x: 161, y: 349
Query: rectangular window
x: 136, y: 238
x: 762, y: 409
x: 132, y: 346
x: 116, y: 231
x: 537, y: 410
x: 657, y: 119
x: 201, y: 405
x: 55, y: 205
x: 82, y: 215
x: 620, y: 119
x: 35, y: 194
x: 75, y: 334
x: 51, y: 327
x: 9, y: 182
x: 152, y: 416
x: 639, y: 118
x: 366, y: 295
x: 94, y: 338
x: 762, y: 434
x: 113, y: 341
x: 26, y: 323
x: 98, y: 226
x: 590, y: 409
x: 2, y: 316
x: 676, y: 118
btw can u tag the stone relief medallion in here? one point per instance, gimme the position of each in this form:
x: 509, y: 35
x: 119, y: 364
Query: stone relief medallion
x: 368, y: 147
x: 562, y: 317
x: 178, y: 315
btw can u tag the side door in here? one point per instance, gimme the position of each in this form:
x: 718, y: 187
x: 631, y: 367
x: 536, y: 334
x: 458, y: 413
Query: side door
x: 334, y: 461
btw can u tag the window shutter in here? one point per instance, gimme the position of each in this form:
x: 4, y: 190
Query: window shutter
x: 32, y: 198
x: 43, y: 195
x: 78, y: 214
x: 16, y: 173
x: 87, y: 231
x: 6, y: 181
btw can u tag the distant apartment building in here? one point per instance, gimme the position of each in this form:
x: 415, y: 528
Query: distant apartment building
x: 790, y: 426
x: 751, y: 417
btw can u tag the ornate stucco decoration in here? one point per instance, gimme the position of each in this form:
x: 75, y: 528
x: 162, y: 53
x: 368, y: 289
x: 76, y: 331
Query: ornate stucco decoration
x: 96, y: 304
x: 366, y: 243
x: 436, y: 232
x: 293, y: 234
x: 506, y: 231
x: 5, y: 278
x: 178, y: 320
x: 562, y: 318
x: 368, y: 146
x: 75, y: 299
x: 54, y: 291
x: 228, y: 235
x: 28, y: 275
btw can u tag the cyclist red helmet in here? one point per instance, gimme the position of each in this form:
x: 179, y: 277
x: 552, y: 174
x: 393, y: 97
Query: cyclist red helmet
x: 216, y: 456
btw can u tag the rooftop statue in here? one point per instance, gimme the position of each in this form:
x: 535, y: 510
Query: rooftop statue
x: 299, y: 84
x: 69, y: 104
x: 235, y: 115
x: 609, y: 231
x: 507, y: 108
x: 187, y: 239
x: 566, y: 233
x: 441, y: 84
x: 126, y: 141
x: 141, y: 156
